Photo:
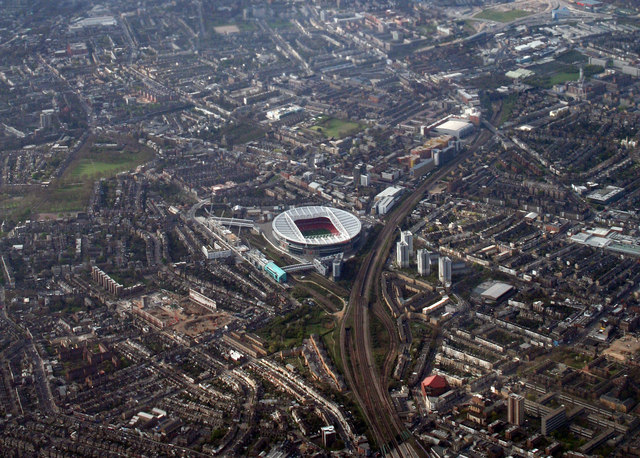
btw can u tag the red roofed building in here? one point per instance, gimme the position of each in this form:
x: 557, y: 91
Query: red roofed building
x: 434, y: 386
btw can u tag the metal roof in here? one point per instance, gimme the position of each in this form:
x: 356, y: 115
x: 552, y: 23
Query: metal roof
x: 496, y: 291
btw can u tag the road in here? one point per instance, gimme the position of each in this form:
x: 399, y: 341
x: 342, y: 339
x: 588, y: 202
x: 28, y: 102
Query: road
x: 369, y: 387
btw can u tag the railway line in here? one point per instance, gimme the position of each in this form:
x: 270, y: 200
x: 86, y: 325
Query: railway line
x: 369, y: 387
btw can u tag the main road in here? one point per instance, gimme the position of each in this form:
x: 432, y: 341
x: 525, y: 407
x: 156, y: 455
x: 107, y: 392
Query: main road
x: 367, y: 384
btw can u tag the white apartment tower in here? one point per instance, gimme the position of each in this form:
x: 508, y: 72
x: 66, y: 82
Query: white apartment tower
x: 444, y: 270
x: 402, y: 254
x: 424, y: 262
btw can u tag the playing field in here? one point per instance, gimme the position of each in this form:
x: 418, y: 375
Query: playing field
x: 502, y: 16
x: 337, y: 128
x: 314, y: 233
x: 107, y: 165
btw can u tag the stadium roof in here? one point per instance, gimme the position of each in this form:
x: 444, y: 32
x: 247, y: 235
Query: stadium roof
x: 347, y: 225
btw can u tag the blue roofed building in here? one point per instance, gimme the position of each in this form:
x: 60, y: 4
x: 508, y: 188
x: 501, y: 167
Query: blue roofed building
x: 275, y: 272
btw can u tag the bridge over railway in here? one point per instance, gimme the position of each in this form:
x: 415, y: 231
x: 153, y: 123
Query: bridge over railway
x: 235, y: 222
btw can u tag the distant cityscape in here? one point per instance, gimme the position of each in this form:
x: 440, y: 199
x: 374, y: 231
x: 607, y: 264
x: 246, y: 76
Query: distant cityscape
x: 320, y: 228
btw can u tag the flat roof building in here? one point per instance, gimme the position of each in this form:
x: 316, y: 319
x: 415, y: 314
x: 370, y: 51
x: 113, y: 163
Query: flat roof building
x: 455, y: 127
x: 496, y: 291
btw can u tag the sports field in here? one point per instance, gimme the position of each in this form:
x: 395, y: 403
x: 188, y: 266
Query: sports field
x: 502, y: 16
x: 313, y: 233
x: 105, y: 165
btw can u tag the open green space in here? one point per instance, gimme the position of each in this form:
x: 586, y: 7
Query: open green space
x: 380, y: 341
x: 322, y: 294
x: 508, y: 104
x: 289, y: 330
x: 552, y: 73
x: 572, y: 57
x: 71, y: 192
x: 66, y: 198
x: 337, y: 128
x: 426, y: 29
x: 106, y: 164
x: 502, y: 16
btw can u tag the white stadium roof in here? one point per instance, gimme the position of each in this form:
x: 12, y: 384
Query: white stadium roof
x: 347, y: 225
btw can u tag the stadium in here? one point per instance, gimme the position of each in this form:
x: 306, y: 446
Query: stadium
x: 316, y: 231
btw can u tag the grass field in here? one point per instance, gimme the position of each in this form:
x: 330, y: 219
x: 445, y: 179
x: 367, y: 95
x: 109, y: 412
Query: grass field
x: 70, y: 193
x: 557, y: 72
x: 316, y: 233
x: 502, y: 16
x: 106, y: 164
x: 563, y: 77
x: 337, y: 128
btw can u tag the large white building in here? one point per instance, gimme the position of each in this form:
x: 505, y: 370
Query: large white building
x: 385, y: 200
x: 402, y: 254
x: 282, y: 112
x: 458, y: 128
x: 424, y: 262
x: 215, y: 252
x: 444, y: 270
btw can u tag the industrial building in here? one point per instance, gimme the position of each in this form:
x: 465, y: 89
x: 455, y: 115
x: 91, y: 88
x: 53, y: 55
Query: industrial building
x: 606, y: 195
x: 496, y: 292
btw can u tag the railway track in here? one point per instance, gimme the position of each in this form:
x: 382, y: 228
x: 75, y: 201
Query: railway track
x: 369, y: 387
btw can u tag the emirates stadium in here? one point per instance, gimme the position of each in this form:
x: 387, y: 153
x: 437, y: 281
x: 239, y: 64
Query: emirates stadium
x: 316, y: 231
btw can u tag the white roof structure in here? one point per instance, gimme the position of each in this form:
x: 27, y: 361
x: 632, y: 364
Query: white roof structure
x: 454, y: 124
x: 391, y: 191
x: 347, y: 225
x: 496, y: 291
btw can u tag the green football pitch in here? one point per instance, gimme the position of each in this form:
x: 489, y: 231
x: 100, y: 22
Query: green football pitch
x: 313, y: 233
